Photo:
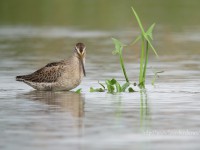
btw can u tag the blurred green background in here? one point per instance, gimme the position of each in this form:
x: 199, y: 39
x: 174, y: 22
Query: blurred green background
x: 99, y: 14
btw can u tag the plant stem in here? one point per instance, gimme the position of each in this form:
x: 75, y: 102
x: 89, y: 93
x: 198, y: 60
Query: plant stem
x: 146, y: 62
x: 123, y: 67
x: 142, y: 63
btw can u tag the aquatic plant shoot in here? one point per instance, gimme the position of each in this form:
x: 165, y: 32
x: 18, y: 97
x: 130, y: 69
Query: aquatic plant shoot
x: 145, y: 38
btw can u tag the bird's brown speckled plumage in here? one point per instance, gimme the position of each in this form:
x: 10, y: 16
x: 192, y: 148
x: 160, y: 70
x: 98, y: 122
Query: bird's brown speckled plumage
x: 62, y: 75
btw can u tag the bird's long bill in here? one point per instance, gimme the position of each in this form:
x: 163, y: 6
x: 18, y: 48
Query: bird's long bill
x: 83, y: 67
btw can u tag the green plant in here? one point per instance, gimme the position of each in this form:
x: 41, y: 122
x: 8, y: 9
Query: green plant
x: 155, y: 76
x: 78, y: 91
x: 145, y: 38
x: 118, y: 50
x: 102, y: 89
x: 112, y: 86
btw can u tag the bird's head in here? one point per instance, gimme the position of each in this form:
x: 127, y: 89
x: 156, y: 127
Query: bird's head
x: 80, y: 51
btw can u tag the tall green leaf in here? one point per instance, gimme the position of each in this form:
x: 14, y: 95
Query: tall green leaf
x: 136, y: 40
x: 138, y: 20
x: 143, y: 31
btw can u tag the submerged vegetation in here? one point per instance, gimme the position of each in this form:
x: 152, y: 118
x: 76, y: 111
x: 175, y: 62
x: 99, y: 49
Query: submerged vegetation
x: 155, y: 76
x: 113, y: 86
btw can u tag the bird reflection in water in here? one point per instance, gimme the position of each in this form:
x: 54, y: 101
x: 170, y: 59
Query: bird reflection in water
x: 60, y: 101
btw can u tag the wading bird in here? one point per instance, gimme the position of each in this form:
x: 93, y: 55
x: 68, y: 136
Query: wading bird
x: 56, y: 76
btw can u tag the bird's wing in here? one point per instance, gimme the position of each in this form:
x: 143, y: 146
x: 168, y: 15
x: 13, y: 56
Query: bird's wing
x: 50, y: 73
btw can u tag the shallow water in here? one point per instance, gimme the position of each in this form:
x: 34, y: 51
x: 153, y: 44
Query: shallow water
x: 165, y: 116
x: 166, y: 113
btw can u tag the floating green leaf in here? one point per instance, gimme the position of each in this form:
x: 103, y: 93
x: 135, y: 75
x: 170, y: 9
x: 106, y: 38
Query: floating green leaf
x: 96, y: 90
x: 112, y: 86
x: 130, y: 89
x: 78, y: 91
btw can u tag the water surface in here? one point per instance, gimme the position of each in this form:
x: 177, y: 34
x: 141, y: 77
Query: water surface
x: 165, y: 116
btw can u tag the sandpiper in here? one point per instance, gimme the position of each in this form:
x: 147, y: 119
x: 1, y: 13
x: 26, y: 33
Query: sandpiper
x: 59, y: 76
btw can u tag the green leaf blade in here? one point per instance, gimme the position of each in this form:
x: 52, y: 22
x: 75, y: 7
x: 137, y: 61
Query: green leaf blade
x: 113, y: 81
x: 138, y: 20
x: 118, y: 46
x: 150, y: 31
x: 125, y: 86
x: 118, y: 87
x: 102, y: 85
x: 136, y: 40
x: 110, y: 87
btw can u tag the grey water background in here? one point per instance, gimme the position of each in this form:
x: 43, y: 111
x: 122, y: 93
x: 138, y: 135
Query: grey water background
x: 166, y: 116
